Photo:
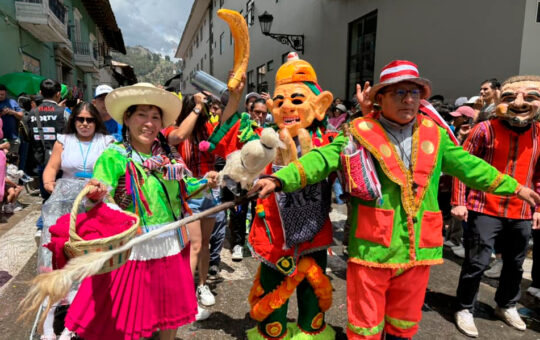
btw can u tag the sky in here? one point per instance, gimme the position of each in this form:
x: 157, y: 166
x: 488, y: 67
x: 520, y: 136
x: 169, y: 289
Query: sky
x: 154, y: 24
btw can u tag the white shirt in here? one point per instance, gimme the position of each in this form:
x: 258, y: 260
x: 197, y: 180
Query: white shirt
x: 78, y: 156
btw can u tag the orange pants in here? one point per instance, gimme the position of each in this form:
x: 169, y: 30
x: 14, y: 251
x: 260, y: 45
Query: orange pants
x: 384, y: 299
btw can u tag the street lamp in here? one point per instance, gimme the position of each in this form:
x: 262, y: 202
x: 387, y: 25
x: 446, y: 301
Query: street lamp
x: 296, y: 41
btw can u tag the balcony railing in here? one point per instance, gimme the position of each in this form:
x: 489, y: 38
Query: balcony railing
x: 86, y: 48
x: 45, y: 19
x: 86, y: 55
x: 56, y: 7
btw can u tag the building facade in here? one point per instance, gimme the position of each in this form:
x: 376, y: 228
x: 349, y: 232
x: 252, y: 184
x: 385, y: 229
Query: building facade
x: 67, y: 40
x: 457, y: 44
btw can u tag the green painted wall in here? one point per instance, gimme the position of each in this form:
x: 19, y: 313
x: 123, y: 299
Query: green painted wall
x: 16, y: 41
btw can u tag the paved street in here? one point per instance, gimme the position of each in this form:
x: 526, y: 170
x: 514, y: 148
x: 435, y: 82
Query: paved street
x: 230, y: 316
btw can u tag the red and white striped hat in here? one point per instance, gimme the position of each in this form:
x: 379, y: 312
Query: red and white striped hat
x: 398, y: 71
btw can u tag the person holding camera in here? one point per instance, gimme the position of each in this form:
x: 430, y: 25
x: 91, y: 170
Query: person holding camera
x: 192, y: 127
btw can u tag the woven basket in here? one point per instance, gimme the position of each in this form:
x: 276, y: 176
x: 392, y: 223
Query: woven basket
x: 76, y: 246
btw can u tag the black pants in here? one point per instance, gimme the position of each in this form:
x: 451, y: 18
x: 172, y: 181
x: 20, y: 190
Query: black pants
x: 237, y: 223
x: 479, y: 239
x: 536, y: 259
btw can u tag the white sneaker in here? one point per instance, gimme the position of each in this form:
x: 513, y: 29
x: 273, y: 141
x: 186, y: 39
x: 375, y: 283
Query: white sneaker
x: 205, y: 296
x: 37, y: 237
x: 465, y: 323
x: 535, y: 292
x: 18, y: 207
x: 237, y: 253
x: 511, y: 317
x: 450, y: 244
x: 202, y: 314
x: 495, y: 271
x: 459, y: 251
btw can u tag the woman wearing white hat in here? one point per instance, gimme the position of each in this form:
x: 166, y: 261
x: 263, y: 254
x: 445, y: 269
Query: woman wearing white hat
x: 154, y: 290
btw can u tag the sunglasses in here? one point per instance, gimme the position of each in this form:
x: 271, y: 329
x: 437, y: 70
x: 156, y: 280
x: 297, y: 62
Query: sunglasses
x: 87, y: 120
x: 402, y: 93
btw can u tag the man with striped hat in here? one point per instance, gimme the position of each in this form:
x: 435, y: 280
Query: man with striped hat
x: 396, y: 234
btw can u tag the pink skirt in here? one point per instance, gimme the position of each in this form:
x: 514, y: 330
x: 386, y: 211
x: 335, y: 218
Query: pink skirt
x: 135, y: 300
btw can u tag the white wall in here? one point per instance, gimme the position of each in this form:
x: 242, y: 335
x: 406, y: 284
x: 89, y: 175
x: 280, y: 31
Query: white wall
x: 456, y: 44
x: 530, y: 44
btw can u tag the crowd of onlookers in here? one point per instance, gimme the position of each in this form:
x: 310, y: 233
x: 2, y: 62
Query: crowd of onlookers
x: 46, y: 138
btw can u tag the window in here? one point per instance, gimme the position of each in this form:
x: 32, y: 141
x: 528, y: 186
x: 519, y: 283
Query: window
x: 262, y: 85
x: 270, y: 65
x: 250, y: 84
x: 221, y: 43
x: 538, y: 11
x: 230, y: 38
x: 220, y: 3
x: 202, y: 63
x: 361, y: 51
x: 250, y: 12
x: 77, y: 17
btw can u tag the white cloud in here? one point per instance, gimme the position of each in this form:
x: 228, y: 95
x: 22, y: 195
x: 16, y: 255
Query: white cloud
x: 154, y: 24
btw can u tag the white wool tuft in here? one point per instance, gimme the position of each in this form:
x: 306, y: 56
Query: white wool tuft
x: 270, y: 138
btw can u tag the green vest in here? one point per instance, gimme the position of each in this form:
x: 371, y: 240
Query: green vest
x: 406, y: 228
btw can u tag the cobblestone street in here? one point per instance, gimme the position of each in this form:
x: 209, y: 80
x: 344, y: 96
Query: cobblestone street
x: 230, y: 315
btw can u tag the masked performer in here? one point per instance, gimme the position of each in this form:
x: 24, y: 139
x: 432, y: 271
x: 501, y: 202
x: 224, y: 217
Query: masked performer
x: 511, y: 143
x: 290, y: 232
x: 394, y: 239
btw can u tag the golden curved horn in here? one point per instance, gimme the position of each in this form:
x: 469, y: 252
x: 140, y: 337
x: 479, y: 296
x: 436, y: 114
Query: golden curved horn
x: 239, y: 30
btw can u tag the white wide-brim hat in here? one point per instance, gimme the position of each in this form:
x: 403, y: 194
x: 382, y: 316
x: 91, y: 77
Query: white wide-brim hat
x: 399, y: 71
x: 118, y: 101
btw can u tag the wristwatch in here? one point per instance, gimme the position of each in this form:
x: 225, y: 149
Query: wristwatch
x: 196, y: 110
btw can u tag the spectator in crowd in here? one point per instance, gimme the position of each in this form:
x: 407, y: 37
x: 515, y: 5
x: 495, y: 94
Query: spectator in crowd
x: 45, y: 122
x: 460, y: 101
x: 338, y: 116
x: 191, y: 128
x: 238, y: 215
x: 12, y: 187
x: 26, y: 103
x: 463, y: 118
x: 218, y: 234
x: 4, y: 147
x: 11, y: 114
x: 250, y: 98
x: 436, y: 100
x: 269, y: 117
x: 485, y: 104
x: 36, y: 99
x: 75, y: 152
x: 258, y: 111
x: 462, y: 122
x: 216, y: 108
x: 509, y: 142
x: 114, y: 128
